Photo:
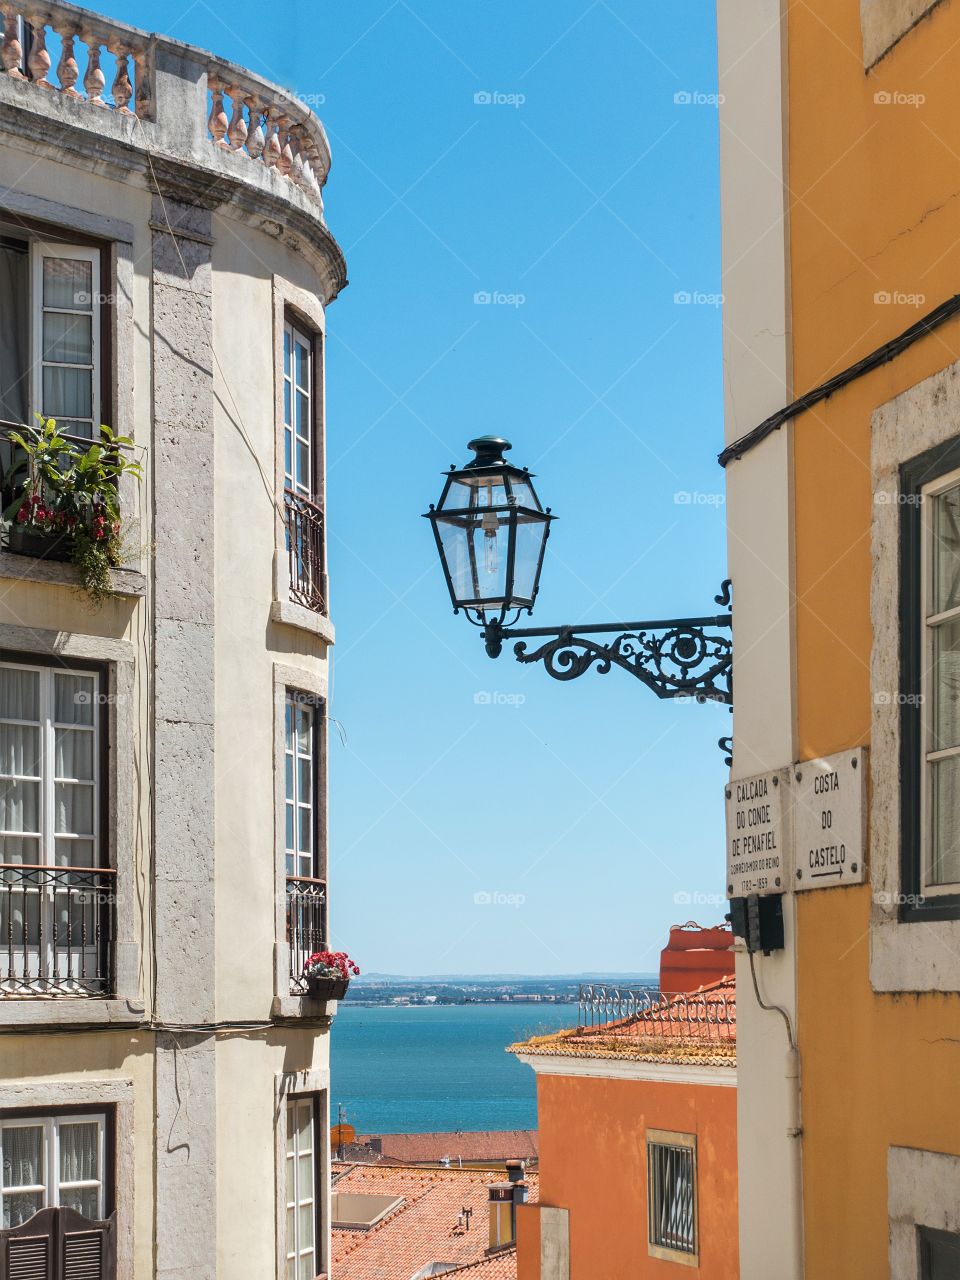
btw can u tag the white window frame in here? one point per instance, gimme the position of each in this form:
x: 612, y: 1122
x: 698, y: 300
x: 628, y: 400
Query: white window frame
x: 51, y: 1125
x: 295, y: 1249
x: 40, y: 249
x: 47, y: 836
x: 929, y: 623
x: 295, y: 335
x: 294, y: 701
x: 665, y: 1138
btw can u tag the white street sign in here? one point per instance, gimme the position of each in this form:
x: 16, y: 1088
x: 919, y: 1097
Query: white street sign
x: 829, y: 820
x: 757, y: 836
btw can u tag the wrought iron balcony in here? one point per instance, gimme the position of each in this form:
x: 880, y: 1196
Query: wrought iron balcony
x: 306, y: 925
x: 305, y: 551
x: 57, y: 927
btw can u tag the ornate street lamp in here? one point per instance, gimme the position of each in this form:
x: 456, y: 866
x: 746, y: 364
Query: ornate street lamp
x: 491, y: 533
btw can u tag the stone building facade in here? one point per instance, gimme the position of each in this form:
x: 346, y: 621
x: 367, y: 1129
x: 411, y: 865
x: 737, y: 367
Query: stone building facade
x: 164, y: 268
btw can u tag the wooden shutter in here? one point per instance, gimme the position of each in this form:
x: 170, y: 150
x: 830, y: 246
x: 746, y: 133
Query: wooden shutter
x: 86, y: 1250
x: 27, y: 1252
x: 59, y: 1244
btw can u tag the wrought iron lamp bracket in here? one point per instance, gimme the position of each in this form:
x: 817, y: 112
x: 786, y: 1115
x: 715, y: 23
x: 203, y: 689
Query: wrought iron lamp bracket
x: 675, y: 657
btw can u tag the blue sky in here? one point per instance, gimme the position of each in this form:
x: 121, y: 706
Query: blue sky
x: 586, y: 195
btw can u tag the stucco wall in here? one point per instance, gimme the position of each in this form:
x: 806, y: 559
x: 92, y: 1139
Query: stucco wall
x: 593, y: 1163
x: 877, y: 1067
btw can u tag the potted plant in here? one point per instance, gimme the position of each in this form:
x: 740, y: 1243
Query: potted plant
x: 67, y: 507
x: 328, y: 974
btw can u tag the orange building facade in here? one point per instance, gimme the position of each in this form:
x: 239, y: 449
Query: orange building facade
x: 638, y: 1142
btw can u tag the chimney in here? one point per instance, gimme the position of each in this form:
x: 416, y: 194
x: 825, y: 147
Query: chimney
x: 504, y: 1198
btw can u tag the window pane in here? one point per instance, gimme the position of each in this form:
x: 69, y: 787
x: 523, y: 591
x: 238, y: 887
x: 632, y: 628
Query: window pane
x: 288, y: 777
x: 20, y: 749
x: 18, y: 1209
x: 74, y: 853
x: 67, y: 339
x: 287, y: 411
x: 73, y: 808
x: 85, y: 1200
x: 73, y: 753
x: 306, y: 1266
x: 20, y: 806
x: 306, y: 830
x: 303, y: 468
x: 945, y: 868
x: 946, y: 551
x: 67, y: 393
x: 68, y: 283
x: 290, y: 1168
x: 73, y: 699
x: 290, y: 828
x: 304, y: 727
x: 305, y: 1189
x: 79, y: 1152
x: 19, y: 694
x: 17, y: 849
x: 305, y: 1126
x: 303, y: 364
x: 305, y: 769
x: 23, y: 1156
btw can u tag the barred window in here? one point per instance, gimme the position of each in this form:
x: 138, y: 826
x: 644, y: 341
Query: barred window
x: 672, y: 1195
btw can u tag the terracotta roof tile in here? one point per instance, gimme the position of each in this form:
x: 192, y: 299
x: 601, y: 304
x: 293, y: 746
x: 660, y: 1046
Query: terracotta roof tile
x: 487, y: 1146
x: 425, y: 1228
x: 499, y: 1266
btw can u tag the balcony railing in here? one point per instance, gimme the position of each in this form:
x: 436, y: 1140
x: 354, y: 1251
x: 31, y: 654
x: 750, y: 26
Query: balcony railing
x: 56, y: 930
x: 305, y: 560
x: 643, y: 1012
x: 306, y: 925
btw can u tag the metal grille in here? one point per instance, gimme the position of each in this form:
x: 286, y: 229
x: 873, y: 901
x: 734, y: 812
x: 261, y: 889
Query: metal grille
x: 56, y: 930
x: 695, y: 1016
x: 304, y: 526
x: 306, y: 925
x: 671, y: 1197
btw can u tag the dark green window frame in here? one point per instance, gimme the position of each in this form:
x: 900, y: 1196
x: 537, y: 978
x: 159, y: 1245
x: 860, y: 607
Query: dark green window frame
x: 914, y: 474
x: 938, y: 1248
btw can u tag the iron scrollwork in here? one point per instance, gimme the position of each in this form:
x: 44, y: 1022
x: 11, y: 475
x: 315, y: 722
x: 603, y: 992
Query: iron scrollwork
x: 676, y: 658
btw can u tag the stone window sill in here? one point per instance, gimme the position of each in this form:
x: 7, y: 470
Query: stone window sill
x: 26, y: 1011
x: 289, y: 614
x: 126, y: 582
x: 303, y: 1007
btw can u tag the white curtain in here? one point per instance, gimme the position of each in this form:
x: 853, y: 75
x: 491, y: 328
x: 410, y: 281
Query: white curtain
x: 79, y: 1152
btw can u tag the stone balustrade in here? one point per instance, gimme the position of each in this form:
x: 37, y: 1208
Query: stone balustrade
x: 43, y: 46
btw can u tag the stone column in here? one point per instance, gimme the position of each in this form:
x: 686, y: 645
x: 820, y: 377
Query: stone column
x: 183, y: 829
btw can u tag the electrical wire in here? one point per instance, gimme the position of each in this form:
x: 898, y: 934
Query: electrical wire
x: 771, y: 1008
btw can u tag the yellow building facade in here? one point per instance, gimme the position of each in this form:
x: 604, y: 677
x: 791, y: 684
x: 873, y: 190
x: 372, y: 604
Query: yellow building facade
x: 841, y: 191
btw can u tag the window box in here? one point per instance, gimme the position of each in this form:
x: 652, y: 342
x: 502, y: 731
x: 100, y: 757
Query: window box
x: 41, y: 546
x: 327, y: 988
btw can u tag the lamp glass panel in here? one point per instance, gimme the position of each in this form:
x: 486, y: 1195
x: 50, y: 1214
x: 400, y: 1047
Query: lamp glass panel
x: 475, y: 550
x: 530, y: 536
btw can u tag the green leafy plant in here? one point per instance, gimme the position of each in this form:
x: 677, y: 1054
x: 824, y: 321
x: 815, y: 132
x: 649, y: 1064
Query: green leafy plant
x: 72, y: 492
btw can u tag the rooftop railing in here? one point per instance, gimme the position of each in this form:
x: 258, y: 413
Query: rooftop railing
x: 644, y: 1012
x: 63, y: 50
